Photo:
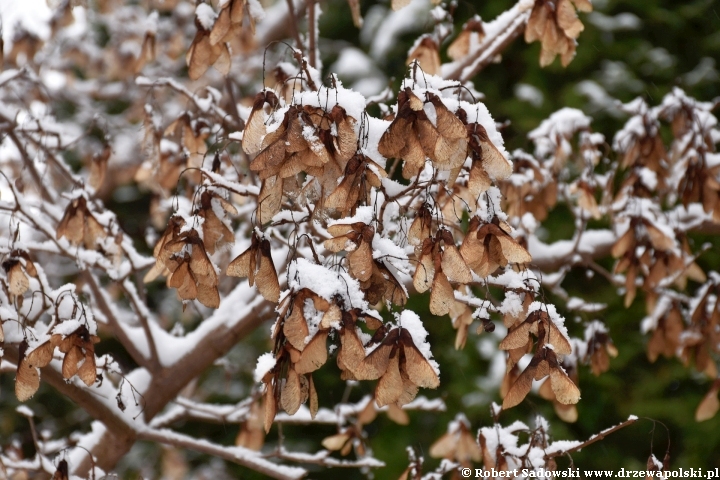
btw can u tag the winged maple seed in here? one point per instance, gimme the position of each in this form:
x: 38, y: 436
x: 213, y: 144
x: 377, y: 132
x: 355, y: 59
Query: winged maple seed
x: 556, y: 25
x: 530, y: 189
x: 487, y: 162
x: 383, y: 285
x: 309, y: 140
x: 458, y: 443
x: 229, y: 22
x: 79, y: 359
x: 566, y: 412
x: 18, y: 267
x: 551, y: 342
x: 439, y: 263
x: 354, y: 189
x: 202, y: 52
x: 420, y: 227
x: 426, y: 53
x: 489, y: 246
x: 412, y: 135
x: 470, y: 36
x: 710, y: 404
x: 586, y: 198
x: 699, y: 339
x: 356, y: 239
x: 181, y: 256
x: 348, y: 438
x: 216, y: 233
x: 251, y: 434
x: 665, y: 339
x: 256, y: 264
x: 255, y: 129
x: 647, y: 238
x: 78, y: 225
x: 700, y: 184
x: 600, y: 348
x: 289, y: 383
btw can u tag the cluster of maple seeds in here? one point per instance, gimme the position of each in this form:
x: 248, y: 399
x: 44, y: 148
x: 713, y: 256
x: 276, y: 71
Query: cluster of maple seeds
x: 376, y: 280
x: 645, y: 250
x: 551, y: 343
x: 556, y: 25
x: 306, y: 322
x: 79, y: 226
x: 210, y: 47
x: 79, y: 359
x: 309, y: 140
x: 18, y: 268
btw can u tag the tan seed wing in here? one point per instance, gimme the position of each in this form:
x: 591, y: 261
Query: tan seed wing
x: 18, y: 282
x: 312, y: 394
x: 314, y: 355
x: 495, y: 164
x: 71, y: 225
x: 331, y: 316
x: 564, y: 389
x: 208, y: 295
x: 513, y: 251
x: 266, y: 278
x: 539, y: 17
x: 424, y: 273
x: 658, y: 239
x: 270, y: 198
x: 442, y: 296
x: 567, y: 19
x: 558, y: 340
x: 709, y: 405
x: 42, y: 355
x: 87, y: 372
x: 335, y: 442
x: 70, y: 362
x: 398, y: 4
x: 374, y: 365
x: 389, y: 387
x: 352, y: 348
x: 221, y: 26
x: 444, y: 447
x: 454, y: 266
x: 270, y: 407
x: 295, y: 327
x: 520, y: 388
x: 27, y: 377
x: 517, y: 337
x: 418, y: 369
x: 291, y: 396
x: 397, y: 414
x: 361, y: 262
x: 242, y: 264
x: 337, y: 244
x: 410, y: 390
x: 200, y: 55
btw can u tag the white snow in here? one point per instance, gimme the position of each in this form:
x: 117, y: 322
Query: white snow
x: 205, y: 15
x: 265, y: 363
x: 530, y: 94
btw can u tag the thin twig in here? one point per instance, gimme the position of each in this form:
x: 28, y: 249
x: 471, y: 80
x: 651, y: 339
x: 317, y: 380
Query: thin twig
x: 594, y: 438
x: 312, y: 33
x: 293, y: 25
